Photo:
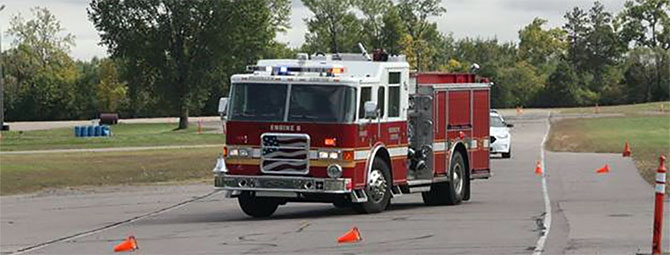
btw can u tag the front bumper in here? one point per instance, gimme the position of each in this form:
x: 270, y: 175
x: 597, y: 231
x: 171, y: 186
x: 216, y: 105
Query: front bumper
x: 500, y: 146
x: 283, y: 184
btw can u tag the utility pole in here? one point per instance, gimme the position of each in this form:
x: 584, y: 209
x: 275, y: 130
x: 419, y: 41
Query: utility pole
x: 2, y: 86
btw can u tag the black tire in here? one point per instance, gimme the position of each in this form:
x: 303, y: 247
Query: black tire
x: 257, y: 207
x: 449, y: 193
x: 378, y: 205
x: 507, y: 155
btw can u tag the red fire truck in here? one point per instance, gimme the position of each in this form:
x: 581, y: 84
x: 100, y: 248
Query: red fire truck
x: 353, y: 130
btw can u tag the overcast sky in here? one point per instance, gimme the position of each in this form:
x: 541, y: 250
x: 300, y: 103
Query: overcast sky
x: 500, y: 19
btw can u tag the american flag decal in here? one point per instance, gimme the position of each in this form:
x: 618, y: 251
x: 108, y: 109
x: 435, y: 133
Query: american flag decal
x: 285, y: 153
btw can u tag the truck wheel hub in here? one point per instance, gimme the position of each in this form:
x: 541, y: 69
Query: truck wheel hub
x: 377, y: 185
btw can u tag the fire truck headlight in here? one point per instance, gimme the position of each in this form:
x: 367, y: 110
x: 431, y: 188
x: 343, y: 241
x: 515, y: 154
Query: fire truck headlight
x: 334, y: 171
x: 234, y: 152
x: 329, y: 154
x: 334, y: 155
x: 239, y: 152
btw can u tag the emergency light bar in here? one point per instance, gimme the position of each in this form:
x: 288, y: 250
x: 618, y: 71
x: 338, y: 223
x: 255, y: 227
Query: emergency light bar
x: 291, y: 70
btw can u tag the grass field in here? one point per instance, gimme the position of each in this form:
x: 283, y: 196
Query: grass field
x: 124, y: 135
x: 648, y: 135
x: 34, y: 172
x: 635, y: 109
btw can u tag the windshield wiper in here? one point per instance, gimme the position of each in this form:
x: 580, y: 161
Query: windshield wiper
x: 303, y: 116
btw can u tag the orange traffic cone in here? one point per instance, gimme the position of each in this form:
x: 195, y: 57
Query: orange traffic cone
x: 352, y: 236
x: 626, y: 150
x: 603, y: 170
x: 130, y: 244
x: 538, y: 168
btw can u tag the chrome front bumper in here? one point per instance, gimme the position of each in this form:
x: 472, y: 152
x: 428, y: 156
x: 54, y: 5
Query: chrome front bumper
x: 283, y: 184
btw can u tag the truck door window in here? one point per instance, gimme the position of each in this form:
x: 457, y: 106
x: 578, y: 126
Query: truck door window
x: 394, y: 101
x: 366, y: 95
x: 380, y: 101
x: 394, y: 78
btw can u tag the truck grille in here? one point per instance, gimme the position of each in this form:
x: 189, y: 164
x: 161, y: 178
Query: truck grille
x: 285, y: 153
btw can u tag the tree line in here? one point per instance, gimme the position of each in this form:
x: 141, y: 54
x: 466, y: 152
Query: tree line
x: 174, y: 58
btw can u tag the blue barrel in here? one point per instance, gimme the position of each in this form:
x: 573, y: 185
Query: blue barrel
x: 76, y: 131
x: 90, y: 131
x: 98, y: 130
x: 105, y: 131
x: 82, y: 131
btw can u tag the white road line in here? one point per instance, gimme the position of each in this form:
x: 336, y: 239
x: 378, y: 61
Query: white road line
x: 110, y: 226
x: 539, y: 247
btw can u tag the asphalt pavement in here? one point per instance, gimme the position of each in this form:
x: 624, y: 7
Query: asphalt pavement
x: 592, y: 214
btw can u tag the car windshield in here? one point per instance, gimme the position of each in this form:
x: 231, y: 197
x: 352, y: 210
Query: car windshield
x: 313, y: 103
x: 496, y: 121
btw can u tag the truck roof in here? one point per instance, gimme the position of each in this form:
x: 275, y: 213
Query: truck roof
x: 323, y: 68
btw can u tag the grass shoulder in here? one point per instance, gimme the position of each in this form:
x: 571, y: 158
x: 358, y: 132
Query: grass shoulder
x: 34, y: 172
x: 124, y: 135
x: 648, y: 135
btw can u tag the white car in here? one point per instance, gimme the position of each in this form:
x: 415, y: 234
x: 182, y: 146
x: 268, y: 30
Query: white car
x: 501, y: 139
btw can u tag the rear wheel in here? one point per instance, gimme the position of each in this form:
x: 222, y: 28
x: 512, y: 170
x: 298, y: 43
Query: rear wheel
x: 258, y: 207
x: 378, y: 189
x: 453, y: 191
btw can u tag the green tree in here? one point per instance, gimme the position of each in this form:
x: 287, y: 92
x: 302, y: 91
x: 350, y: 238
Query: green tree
x: 561, y: 89
x: 373, y: 21
x: 334, y: 26
x: 642, y: 21
x: 577, y: 30
x: 604, y: 48
x: 538, y: 46
x: 40, y: 75
x: 85, y: 92
x: 392, y: 31
x: 110, y: 91
x: 523, y: 83
x: 647, y: 23
x: 422, y: 35
x: 184, y: 48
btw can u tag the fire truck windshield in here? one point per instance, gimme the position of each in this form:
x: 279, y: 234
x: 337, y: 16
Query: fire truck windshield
x: 307, y: 103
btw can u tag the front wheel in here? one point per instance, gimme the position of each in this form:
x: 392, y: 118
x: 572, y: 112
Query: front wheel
x: 378, y: 189
x: 257, y: 207
x: 508, y: 154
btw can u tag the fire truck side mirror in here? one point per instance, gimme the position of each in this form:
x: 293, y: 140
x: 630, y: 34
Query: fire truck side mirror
x: 223, y: 106
x: 370, y: 110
